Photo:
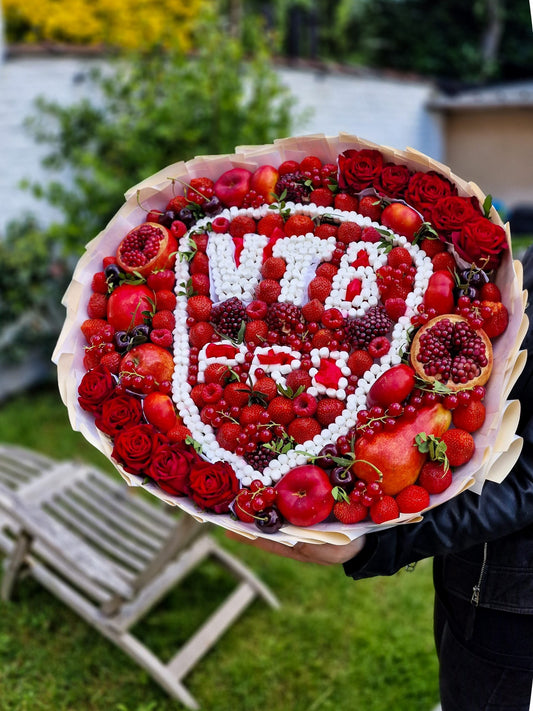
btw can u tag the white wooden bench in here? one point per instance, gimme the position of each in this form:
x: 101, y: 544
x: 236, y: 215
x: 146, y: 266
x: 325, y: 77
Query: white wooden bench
x: 110, y: 555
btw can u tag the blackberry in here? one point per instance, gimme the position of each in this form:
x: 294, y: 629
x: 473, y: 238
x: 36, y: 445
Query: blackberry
x: 228, y: 318
x: 283, y: 318
x: 360, y: 331
x: 260, y: 458
x: 293, y: 183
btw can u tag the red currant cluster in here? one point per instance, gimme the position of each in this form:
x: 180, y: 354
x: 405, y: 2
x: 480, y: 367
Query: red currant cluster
x: 473, y: 310
x: 144, y: 384
x: 257, y: 505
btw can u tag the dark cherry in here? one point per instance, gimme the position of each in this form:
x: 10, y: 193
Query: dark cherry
x: 140, y: 334
x: 340, y: 476
x: 212, y: 207
x: 186, y: 216
x: 112, y: 274
x: 325, y: 455
x: 122, y: 341
x: 167, y: 218
x: 269, y: 520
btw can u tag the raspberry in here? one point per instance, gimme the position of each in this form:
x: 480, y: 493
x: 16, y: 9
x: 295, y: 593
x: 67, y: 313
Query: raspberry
x: 200, y: 308
x: 319, y: 288
x: 299, y: 225
x: 346, y: 202
x: 242, y: 225
x: 161, y: 337
x: 268, y: 291
x: 99, y: 283
x: 303, y: 429
x: 321, y: 197
x: 164, y: 279
x: 395, y: 307
x: 349, y: 232
x: 165, y: 300
x: 273, y: 268
x: 370, y: 234
x: 268, y: 223
x: 164, y: 319
x: 97, y: 306
x: 228, y: 317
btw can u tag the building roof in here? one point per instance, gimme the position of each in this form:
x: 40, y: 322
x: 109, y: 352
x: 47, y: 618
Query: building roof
x: 515, y: 94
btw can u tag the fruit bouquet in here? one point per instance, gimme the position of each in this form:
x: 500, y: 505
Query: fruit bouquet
x: 307, y: 340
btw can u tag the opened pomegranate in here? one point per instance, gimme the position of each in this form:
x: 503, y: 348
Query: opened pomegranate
x: 147, y: 248
x: 448, y: 350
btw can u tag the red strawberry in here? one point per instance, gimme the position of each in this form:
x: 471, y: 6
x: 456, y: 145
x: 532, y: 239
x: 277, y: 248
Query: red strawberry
x: 326, y: 270
x: 313, y: 310
x: 349, y: 512
x: 255, y: 332
x: 359, y: 362
x: 178, y: 433
x: 163, y: 279
x: 432, y: 246
x: 303, y: 429
x: 328, y: 410
x: 322, y: 337
x: 434, y: 477
x: 242, y: 225
x: 395, y: 307
x: 469, y: 417
x: 199, y: 307
x: 298, y: 379
x: 97, y: 306
x: 412, y: 499
x: 199, y: 264
x: 201, y: 334
x: 200, y: 241
x: 319, y: 288
x: 217, y: 373
x: 237, y: 393
x: 281, y: 410
x: 99, y: 283
x: 268, y: 291
x: 250, y: 414
x: 273, y: 268
x: 443, y: 261
x: 385, y: 509
x: 177, y: 203
x: 490, y: 292
x: 399, y: 257
x: 111, y: 361
x: 498, y: 321
x: 460, y: 446
x: 97, y: 327
x: 200, y: 284
x: 321, y: 196
x: 311, y: 163
x: 397, y: 291
x: 266, y: 387
x: 227, y: 435
x: 161, y: 337
x: 349, y: 232
x: 346, y: 202
x: 268, y: 223
x: 197, y: 394
x: 326, y: 230
x: 165, y: 300
x: 164, y: 319
x: 299, y: 225
x: 370, y: 206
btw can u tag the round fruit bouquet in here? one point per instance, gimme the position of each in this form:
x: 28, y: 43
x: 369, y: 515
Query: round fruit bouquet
x: 309, y: 340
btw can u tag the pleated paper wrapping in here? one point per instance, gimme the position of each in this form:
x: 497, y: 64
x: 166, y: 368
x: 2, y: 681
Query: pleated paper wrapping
x: 497, y: 445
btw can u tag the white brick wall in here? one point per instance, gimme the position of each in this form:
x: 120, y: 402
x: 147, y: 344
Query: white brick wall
x: 382, y: 110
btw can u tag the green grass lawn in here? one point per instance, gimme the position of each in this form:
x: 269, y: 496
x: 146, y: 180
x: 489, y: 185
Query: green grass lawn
x: 334, y: 645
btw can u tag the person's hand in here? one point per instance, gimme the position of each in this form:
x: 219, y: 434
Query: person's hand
x: 321, y: 553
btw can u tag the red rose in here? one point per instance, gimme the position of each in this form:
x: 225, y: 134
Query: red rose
x: 393, y: 180
x: 359, y: 169
x: 213, y: 486
x: 96, y: 386
x: 135, y: 447
x: 450, y: 213
x: 170, y: 468
x: 425, y: 189
x: 119, y: 413
x: 480, y: 242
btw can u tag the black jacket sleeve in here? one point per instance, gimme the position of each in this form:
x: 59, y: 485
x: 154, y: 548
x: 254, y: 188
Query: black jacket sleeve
x: 467, y: 519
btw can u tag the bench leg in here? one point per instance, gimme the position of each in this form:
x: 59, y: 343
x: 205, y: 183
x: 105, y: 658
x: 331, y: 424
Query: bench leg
x: 13, y: 565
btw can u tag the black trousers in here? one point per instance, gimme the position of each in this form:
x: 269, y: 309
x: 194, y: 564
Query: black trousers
x: 485, y: 657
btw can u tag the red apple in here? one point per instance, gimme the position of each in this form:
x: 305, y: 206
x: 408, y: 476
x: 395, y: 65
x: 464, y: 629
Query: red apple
x: 159, y: 411
x: 149, y: 359
x: 264, y: 182
x: 304, y: 495
x: 126, y: 304
x: 232, y: 186
x: 394, y: 385
x: 402, y: 219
